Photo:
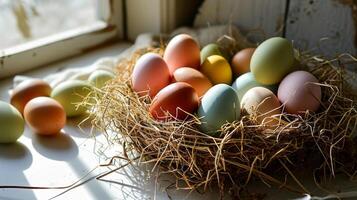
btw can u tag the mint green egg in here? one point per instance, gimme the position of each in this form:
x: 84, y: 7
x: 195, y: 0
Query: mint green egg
x: 247, y: 81
x: 218, y: 106
x: 100, y: 77
x: 69, y: 94
x: 11, y: 123
x: 272, y: 60
x: 209, y: 50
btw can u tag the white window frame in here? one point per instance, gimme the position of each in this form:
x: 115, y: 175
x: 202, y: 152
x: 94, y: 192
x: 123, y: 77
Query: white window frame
x: 49, y: 49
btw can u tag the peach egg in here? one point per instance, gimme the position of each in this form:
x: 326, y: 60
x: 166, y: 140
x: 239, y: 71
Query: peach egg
x: 45, y: 116
x: 28, y: 90
x: 182, y: 51
x: 241, y: 61
x: 193, y: 77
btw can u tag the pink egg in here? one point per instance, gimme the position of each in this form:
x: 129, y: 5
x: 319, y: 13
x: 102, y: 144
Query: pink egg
x: 150, y: 75
x: 299, y: 92
x: 182, y: 51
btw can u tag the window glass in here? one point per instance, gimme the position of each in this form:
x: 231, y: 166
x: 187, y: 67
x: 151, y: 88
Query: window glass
x: 25, y: 20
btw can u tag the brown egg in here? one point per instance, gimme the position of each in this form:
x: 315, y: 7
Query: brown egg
x: 193, y: 77
x: 177, y: 100
x: 241, y: 61
x: 45, y: 116
x: 28, y: 90
x: 262, y: 102
x: 182, y: 51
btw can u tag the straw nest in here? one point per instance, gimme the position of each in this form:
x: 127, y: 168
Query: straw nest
x: 245, y: 150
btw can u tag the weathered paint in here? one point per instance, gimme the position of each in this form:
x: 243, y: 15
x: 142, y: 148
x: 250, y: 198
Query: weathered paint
x: 326, y: 26
x: 258, y: 18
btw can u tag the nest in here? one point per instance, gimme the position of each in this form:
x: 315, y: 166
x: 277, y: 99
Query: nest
x: 245, y: 150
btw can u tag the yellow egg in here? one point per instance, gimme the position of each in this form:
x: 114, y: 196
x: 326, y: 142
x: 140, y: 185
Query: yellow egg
x: 70, y: 94
x: 217, y: 69
x: 262, y: 102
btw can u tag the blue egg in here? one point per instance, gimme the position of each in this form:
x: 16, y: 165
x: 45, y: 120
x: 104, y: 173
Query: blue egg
x: 219, y: 105
x: 247, y: 81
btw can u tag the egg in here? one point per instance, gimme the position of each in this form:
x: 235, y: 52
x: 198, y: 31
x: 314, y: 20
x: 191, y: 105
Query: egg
x: 272, y: 60
x: 263, y: 103
x: 241, y: 61
x: 182, y: 51
x: 150, y: 75
x: 45, y: 116
x: 100, y: 77
x: 11, y: 122
x: 218, y: 106
x: 300, y: 92
x: 209, y: 50
x: 193, y: 77
x: 247, y: 81
x: 69, y: 94
x: 217, y: 70
x: 28, y: 90
x: 177, y: 100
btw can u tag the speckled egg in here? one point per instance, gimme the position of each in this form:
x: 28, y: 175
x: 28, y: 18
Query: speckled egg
x: 299, y: 91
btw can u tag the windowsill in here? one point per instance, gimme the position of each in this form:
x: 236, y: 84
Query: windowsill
x: 66, y: 158
x: 55, y: 161
x: 77, y: 61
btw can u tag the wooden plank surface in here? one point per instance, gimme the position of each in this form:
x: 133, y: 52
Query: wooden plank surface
x: 267, y: 15
x: 310, y: 20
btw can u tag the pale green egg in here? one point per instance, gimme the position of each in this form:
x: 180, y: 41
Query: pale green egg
x: 69, y: 94
x: 219, y: 105
x: 209, y: 50
x: 272, y: 60
x: 100, y: 77
x: 247, y: 81
x: 11, y: 123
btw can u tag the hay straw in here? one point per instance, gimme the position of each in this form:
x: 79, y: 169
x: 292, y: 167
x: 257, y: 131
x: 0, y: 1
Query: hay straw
x: 245, y: 150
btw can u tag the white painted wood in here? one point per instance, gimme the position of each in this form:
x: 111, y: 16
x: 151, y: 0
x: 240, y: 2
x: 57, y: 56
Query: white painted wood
x: 310, y: 20
x: 267, y: 15
x: 143, y: 16
x: 39, y: 52
x: 158, y: 16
